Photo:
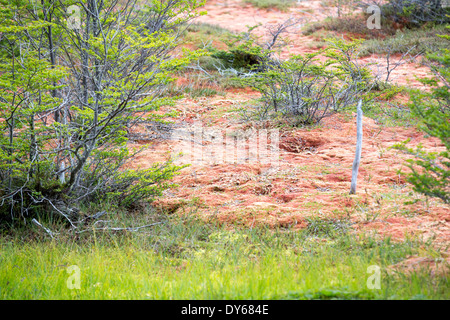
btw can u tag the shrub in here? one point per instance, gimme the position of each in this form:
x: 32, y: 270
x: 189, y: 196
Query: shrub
x: 304, y: 90
x: 244, y: 52
x: 430, y: 170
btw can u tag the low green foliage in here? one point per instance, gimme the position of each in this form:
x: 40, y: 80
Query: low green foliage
x: 239, y: 58
x: 244, y: 52
x: 130, y: 187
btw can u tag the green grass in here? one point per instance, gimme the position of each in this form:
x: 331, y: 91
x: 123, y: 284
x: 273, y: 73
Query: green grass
x: 186, y: 258
x: 282, y: 5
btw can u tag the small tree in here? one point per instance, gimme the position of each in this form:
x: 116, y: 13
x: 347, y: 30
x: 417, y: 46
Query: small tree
x: 76, y: 91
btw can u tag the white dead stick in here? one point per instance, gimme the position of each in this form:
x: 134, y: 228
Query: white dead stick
x: 358, y: 148
x: 122, y: 229
x: 40, y: 225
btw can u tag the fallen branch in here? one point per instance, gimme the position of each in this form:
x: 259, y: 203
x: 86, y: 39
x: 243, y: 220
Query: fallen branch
x: 94, y: 216
x: 120, y: 229
x: 49, y: 232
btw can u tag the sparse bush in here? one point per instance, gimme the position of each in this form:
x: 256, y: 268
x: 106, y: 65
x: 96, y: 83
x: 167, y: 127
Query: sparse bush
x: 304, y: 90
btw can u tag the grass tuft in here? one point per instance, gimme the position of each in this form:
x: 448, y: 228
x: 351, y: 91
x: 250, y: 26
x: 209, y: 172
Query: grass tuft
x: 282, y: 5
